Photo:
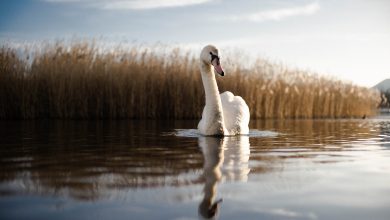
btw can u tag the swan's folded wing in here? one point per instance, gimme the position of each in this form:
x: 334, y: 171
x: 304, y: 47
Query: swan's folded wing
x: 236, y: 113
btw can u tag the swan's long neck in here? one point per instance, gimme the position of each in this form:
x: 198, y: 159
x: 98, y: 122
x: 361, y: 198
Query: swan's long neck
x: 212, y: 117
x: 210, y: 87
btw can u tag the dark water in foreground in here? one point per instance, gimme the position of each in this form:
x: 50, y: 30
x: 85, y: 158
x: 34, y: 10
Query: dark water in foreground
x: 305, y: 169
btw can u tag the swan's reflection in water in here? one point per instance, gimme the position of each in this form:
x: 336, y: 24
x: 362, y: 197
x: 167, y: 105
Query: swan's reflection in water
x: 224, y: 159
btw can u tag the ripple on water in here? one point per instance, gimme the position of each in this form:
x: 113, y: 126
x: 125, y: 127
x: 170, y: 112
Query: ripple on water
x: 194, y: 133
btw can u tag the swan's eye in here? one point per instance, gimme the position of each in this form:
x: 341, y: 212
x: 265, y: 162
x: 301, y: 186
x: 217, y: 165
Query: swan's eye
x: 213, y: 56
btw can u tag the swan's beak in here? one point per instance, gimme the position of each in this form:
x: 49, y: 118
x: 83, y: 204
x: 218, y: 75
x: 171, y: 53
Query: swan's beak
x: 217, y: 67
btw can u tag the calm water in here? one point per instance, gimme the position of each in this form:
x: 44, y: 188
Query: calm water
x: 285, y: 169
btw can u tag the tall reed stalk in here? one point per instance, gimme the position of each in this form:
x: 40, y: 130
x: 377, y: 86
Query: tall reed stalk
x: 81, y: 82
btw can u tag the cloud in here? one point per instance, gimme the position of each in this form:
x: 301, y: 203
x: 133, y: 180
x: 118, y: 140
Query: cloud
x: 277, y: 14
x: 150, y: 4
x: 133, y: 4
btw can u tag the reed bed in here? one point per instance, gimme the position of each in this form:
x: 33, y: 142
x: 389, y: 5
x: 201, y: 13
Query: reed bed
x: 79, y: 81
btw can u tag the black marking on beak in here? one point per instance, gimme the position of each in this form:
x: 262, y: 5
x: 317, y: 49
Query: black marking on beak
x: 213, y: 56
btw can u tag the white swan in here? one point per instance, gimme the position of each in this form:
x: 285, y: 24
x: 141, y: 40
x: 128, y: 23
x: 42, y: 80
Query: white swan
x: 224, y: 114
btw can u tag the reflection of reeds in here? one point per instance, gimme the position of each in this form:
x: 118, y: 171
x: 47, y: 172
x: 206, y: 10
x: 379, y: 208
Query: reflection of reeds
x: 89, y: 160
x: 81, y: 82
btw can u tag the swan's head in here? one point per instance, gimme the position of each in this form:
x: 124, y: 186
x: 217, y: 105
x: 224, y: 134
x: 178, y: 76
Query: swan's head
x: 210, y: 56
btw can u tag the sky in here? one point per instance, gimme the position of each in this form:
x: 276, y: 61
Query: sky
x: 345, y: 39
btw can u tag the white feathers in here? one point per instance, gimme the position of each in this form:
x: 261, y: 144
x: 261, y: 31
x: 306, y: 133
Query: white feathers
x: 223, y: 114
x: 236, y: 113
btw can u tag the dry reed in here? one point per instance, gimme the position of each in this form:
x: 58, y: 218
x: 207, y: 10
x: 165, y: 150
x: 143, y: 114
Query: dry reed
x: 78, y: 81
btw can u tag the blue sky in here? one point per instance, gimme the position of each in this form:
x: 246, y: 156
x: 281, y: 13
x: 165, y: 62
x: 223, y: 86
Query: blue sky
x: 349, y: 39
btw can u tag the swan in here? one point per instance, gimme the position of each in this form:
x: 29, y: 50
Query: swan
x: 224, y: 114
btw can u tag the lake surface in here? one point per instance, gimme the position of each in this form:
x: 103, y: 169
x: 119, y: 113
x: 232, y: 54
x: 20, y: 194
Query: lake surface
x: 285, y: 169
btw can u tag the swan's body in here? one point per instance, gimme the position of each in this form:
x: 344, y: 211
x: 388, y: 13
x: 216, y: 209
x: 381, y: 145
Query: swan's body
x: 223, y: 114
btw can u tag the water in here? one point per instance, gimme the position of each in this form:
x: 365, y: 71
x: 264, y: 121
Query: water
x: 285, y: 169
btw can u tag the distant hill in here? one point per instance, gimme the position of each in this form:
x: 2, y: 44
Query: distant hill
x: 383, y: 86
